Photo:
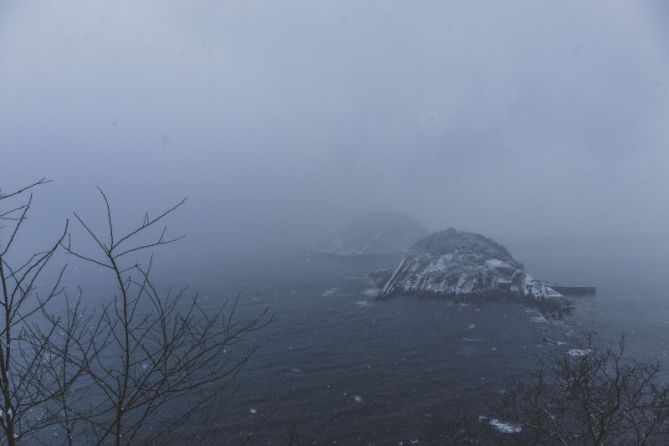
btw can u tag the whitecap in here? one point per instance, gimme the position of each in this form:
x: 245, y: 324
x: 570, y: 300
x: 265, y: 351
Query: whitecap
x: 371, y: 292
x: 578, y: 353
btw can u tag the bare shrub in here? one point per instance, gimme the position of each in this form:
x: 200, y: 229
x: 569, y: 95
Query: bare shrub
x: 135, y: 369
x: 592, y: 396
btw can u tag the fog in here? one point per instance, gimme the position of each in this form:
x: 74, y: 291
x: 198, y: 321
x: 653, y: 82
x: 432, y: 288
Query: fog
x: 542, y: 124
x: 282, y: 120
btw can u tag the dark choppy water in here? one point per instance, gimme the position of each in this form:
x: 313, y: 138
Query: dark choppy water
x: 353, y: 370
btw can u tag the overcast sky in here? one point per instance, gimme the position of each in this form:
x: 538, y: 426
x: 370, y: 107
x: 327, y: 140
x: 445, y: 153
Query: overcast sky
x: 282, y: 119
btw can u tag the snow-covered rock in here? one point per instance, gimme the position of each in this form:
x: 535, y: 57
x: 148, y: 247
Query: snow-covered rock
x: 374, y: 233
x: 457, y: 263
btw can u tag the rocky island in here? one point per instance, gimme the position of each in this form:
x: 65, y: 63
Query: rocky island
x: 457, y: 263
x: 371, y: 234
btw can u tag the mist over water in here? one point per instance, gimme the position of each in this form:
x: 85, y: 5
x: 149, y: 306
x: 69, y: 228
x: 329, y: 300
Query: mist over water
x: 539, y: 124
x: 281, y: 121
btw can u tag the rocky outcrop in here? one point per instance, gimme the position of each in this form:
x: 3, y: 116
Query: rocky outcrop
x: 374, y: 233
x: 457, y: 263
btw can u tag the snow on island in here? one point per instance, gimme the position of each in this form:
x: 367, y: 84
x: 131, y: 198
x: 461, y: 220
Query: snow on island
x: 458, y: 263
